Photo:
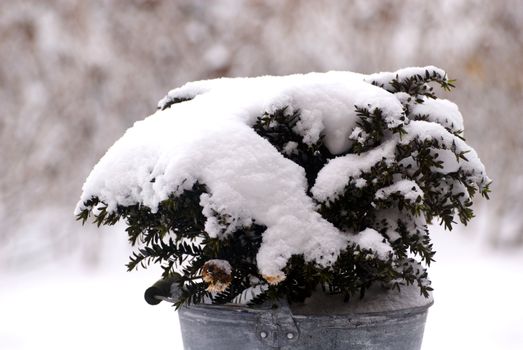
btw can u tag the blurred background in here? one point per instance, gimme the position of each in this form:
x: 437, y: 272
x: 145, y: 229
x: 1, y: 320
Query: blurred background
x: 74, y: 75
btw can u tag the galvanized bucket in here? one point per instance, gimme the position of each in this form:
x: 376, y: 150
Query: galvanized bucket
x: 232, y: 327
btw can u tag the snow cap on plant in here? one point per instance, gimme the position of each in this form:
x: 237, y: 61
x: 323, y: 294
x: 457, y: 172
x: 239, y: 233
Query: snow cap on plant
x: 300, y: 181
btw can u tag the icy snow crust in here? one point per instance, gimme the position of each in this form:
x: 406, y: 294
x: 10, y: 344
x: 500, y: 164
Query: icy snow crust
x: 209, y: 140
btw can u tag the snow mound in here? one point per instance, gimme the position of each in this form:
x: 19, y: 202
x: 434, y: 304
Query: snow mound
x: 202, y: 133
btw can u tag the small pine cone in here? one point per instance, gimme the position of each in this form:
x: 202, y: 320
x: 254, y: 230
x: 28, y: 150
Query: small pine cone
x: 218, y: 274
x: 274, y: 279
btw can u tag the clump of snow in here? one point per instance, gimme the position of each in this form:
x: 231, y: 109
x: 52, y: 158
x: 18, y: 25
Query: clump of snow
x: 360, y: 183
x: 408, y: 189
x: 440, y: 111
x: 373, y: 240
x: 209, y: 139
x: 325, y: 100
x: 426, y: 130
x: 388, y: 219
x: 290, y: 147
x: 334, y: 176
x: 359, y: 135
x: 193, y: 89
x: 385, y: 78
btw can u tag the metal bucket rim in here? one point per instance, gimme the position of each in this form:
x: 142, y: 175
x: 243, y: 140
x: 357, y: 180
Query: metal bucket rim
x: 234, y: 308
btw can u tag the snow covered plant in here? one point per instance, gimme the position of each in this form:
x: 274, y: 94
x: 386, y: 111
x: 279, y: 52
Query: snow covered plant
x: 252, y: 188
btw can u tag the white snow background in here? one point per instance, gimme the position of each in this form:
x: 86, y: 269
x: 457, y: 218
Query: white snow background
x: 65, y: 305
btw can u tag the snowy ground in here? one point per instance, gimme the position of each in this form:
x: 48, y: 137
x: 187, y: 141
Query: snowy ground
x: 478, y: 304
x: 67, y: 306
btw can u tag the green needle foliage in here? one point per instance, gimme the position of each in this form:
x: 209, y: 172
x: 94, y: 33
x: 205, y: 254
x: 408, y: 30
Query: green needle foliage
x: 174, y: 236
